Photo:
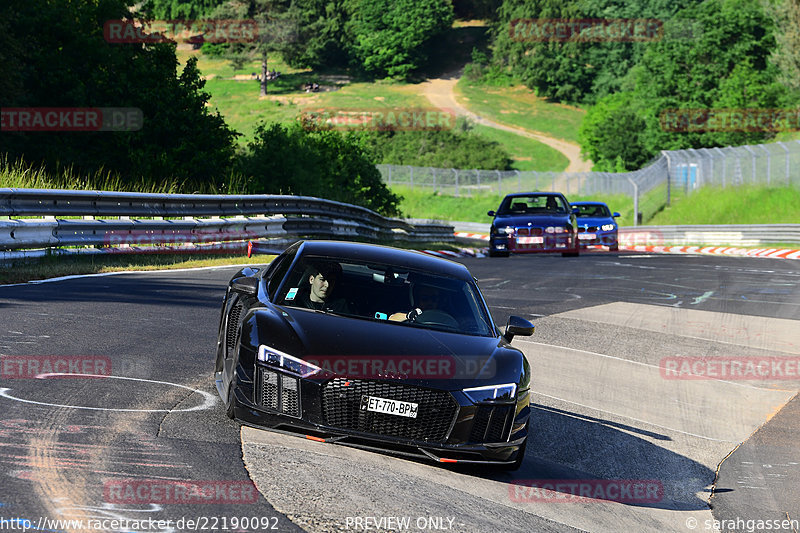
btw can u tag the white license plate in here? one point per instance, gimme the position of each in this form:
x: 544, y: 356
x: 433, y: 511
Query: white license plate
x: 530, y: 240
x: 390, y: 407
x: 587, y: 236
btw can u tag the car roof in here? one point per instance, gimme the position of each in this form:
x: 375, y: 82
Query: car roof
x: 384, y: 254
x: 519, y: 194
x: 589, y: 203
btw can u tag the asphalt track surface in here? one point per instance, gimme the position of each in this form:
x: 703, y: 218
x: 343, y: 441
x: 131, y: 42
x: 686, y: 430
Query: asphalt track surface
x: 724, y: 451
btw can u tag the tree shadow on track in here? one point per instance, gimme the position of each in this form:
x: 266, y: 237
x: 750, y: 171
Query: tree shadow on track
x: 567, y: 446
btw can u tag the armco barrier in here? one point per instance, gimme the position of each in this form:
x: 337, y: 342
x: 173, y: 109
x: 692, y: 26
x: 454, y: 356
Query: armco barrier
x: 138, y: 219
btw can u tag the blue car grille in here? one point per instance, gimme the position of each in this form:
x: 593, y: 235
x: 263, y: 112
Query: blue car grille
x: 589, y: 229
x: 341, y: 408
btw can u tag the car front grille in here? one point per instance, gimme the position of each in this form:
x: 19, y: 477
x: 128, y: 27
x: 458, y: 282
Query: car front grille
x: 278, y: 392
x: 529, y: 231
x: 341, y: 407
x: 492, y: 423
x: 588, y: 229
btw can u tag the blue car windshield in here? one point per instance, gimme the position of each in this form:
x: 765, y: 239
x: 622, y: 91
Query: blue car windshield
x: 593, y: 210
x: 533, y: 204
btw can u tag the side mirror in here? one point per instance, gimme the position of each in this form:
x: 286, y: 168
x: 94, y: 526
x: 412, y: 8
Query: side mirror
x: 576, y: 210
x: 245, y: 285
x: 517, y: 326
x: 490, y: 213
x: 615, y: 215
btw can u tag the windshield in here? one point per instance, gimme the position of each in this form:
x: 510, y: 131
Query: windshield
x: 388, y: 293
x: 593, y: 210
x: 533, y: 204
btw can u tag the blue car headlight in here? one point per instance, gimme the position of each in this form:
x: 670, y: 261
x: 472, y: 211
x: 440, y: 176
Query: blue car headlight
x: 290, y: 364
x: 492, y: 393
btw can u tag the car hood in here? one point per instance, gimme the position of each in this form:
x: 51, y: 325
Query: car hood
x: 366, y: 349
x: 594, y: 221
x: 535, y: 220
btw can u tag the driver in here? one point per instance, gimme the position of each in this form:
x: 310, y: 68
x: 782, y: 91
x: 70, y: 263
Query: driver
x: 322, y: 277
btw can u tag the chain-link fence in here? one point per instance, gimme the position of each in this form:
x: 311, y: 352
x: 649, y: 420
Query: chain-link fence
x: 675, y: 173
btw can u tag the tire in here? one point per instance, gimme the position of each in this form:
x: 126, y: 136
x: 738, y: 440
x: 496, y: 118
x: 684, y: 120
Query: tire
x: 613, y: 248
x: 492, y: 253
x: 230, y: 408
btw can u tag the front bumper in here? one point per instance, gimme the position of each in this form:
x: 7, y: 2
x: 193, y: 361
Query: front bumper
x: 520, y: 244
x: 595, y: 238
x: 449, y: 428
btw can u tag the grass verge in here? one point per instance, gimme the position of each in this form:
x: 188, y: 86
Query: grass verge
x: 53, y: 266
x: 733, y: 205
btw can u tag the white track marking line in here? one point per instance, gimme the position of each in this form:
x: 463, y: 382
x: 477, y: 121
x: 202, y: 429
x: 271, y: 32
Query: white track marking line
x: 208, y: 401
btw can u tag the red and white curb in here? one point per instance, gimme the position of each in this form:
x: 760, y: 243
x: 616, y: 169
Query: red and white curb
x: 773, y: 253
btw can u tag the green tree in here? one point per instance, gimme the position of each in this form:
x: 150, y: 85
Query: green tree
x: 320, y: 36
x: 391, y: 37
x: 786, y: 16
x: 316, y: 162
x: 277, y: 29
x: 64, y: 61
x: 180, y: 9
x: 576, y: 69
x: 726, y: 66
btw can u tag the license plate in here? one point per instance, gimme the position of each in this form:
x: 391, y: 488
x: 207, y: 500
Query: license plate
x: 389, y: 407
x: 530, y: 240
x: 587, y: 236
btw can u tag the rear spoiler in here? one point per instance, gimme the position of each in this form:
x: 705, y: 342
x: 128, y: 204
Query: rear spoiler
x: 272, y: 248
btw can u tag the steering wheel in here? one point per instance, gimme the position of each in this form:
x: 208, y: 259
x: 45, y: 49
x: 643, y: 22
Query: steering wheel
x: 434, y: 316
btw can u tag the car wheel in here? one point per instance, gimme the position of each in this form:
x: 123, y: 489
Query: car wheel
x: 614, y: 248
x: 230, y: 408
x: 574, y: 253
x: 492, y: 253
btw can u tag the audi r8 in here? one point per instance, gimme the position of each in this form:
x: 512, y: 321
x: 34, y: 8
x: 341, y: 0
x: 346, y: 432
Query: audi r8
x: 377, y: 348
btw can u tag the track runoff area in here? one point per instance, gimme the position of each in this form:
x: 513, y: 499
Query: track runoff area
x: 664, y: 399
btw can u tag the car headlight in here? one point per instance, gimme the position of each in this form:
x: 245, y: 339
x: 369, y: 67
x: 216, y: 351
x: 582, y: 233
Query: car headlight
x: 492, y: 393
x: 508, y: 230
x: 291, y: 364
x: 607, y: 227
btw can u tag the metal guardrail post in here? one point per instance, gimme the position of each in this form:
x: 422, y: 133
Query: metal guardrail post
x: 769, y: 162
x: 786, y: 149
x: 635, y: 201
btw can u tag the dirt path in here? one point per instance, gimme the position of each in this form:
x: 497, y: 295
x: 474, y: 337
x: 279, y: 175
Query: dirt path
x: 440, y: 93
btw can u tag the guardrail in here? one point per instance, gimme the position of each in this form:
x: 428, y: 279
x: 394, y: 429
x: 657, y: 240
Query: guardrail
x: 284, y: 218
x: 475, y: 233
x: 732, y: 235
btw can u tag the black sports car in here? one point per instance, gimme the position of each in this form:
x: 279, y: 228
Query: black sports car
x: 377, y: 348
x: 534, y: 222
